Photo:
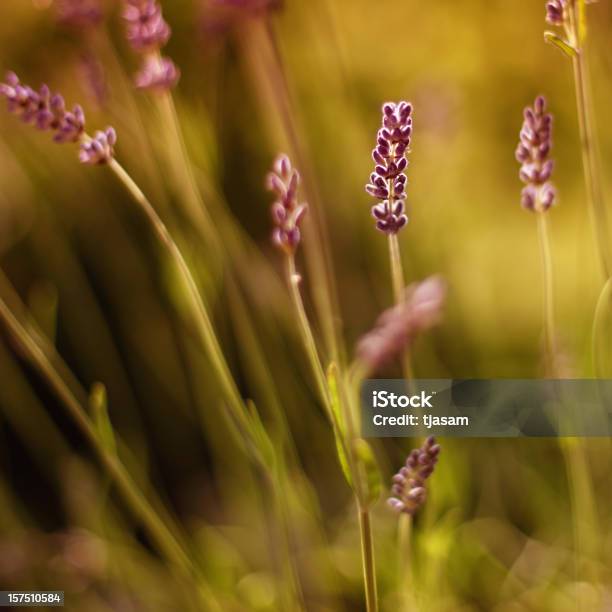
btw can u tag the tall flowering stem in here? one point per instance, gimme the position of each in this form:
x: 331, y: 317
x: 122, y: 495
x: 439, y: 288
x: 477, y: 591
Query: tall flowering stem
x: 538, y: 195
x: 569, y: 17
x: 287, y: 216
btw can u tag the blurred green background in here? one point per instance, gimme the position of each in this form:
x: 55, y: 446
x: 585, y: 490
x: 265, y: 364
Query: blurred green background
x: 498, y: 532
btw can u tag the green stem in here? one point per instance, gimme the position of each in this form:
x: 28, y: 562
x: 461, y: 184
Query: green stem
x: 198, y: 310
x: 293, y: 281
x: 397, y: 271
x: 603, y: 303
x: 404, y: 567
x: 398, y: 284
x: 592, y: 176
x: 548, y: 297
x: 367, y: 555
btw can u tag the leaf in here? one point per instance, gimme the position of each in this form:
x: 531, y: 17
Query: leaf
x: 338, y: 424
x: 98, y: 403
x: 563, y: 45
x: 369, y: 472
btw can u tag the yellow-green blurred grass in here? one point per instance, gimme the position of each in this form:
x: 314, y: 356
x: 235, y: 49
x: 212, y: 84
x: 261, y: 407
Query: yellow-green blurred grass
x: 498, y: 509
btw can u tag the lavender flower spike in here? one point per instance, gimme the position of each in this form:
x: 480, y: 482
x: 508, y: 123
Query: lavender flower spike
x: 397, y: 328
x: 43, y: 109
x: 388, y: 181
x: 533, y: 154
x: 409, y: 484
x: 556, y: 12
x: 148, y: 32
x: 99, y: 149
x: 287, y: 213
x: 146, y: 28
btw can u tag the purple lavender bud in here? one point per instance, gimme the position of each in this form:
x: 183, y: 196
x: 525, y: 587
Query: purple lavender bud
x: 409, y: 489
x: 388, y: 182
x: 99, y: 149
x: 397, y: 328
x: 146, y: 28
x: 287, y: 213
x: 158, y: 74
x: 556, y: 12
x: 535, y: 143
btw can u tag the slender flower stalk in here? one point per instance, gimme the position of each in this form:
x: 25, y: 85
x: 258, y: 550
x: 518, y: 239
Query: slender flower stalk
x: 569, y: 17
x: 264, y: 58
x: 287, y: 215
x: 538, y: 195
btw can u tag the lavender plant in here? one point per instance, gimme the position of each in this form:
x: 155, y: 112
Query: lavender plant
x: 388, y: 181
x: 409, y: 483
x: 538, y: 195
x: 355, y: 455
x: 47, y: 112
x: 147, y: 33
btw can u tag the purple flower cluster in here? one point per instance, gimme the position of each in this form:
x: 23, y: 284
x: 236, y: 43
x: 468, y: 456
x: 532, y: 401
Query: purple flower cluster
x: 397, y: 327
x: 47, y: 111
x: 157, y: 73
x: 409, y: 490
x: 43, y: 109
x: 147, y: 33
x: 287, y: 213
x: 99, y: 149
x: 388, y: 181
x: 556, y: 12
x: 535, y: 142
x: 146, y: 28
x: 78, y: 13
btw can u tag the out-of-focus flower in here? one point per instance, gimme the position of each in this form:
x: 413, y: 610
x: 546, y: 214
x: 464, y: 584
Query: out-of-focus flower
x: 220, y: 17
x: 100, y: 148
x: 147, y: 32
x: 409, y: 484
x: 157, y: 73
x: 397, y: 327
x: 533, y: 153
x: 78, y: 13
x: 43, y: 109
x: 287, y: 213
x: 146, y: 28
x: 556, y: 12
x: 388, y: 181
